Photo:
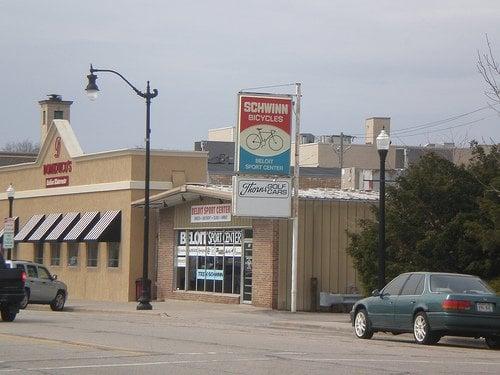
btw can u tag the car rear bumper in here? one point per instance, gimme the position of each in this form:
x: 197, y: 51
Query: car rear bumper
x: 465, y: 324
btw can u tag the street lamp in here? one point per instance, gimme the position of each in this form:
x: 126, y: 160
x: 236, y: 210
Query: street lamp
x: 11, y: 192
x: 383, y: 142
x: 92, y: 92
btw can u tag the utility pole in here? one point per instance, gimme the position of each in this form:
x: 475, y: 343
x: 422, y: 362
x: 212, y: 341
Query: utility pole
x: 295, y: 203
x: 340, y: 150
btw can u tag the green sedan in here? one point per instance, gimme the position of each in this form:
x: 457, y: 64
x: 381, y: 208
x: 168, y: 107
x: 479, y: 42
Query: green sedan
x: 431, y: 305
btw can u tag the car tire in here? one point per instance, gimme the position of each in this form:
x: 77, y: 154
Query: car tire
x: 493, y: 342
x: 58, y: 302
x: 422, y: 330
x: 25, y: 300
x: 7, y: 315
x: 362, y: 325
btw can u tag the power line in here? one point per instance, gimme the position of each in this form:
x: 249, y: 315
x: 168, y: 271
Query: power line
x: 434, y: 123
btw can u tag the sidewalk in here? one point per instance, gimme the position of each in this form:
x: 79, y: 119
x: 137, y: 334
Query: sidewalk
x: 201, y: 312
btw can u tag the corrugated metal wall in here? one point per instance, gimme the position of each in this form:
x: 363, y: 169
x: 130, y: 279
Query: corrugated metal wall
x: 323, y: 240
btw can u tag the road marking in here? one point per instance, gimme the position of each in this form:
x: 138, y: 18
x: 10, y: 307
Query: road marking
x: 75, y: 343
x: 135, y: 364
x: 393, y: 361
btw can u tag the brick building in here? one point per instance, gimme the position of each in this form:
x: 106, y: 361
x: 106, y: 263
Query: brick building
x: 232, y: 259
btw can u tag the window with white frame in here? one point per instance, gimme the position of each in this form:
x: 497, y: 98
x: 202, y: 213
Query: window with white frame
x: 73, y: 254
x: 113, y: 254
x: 55, y: 254
x: 92, y: 254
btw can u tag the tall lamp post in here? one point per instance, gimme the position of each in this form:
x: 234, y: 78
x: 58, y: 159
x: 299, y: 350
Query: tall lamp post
x: 11, y: 192
x: 383, y: 142
x: 92, y: 91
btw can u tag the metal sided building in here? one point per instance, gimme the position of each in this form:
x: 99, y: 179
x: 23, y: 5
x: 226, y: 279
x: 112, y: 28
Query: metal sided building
x: 206, y: 254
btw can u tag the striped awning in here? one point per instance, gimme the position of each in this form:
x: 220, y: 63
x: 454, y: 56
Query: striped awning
x: 107, y: 229
x: 63, y: 227
x: 82, y: 227
x: 29, y: 228
x: 45, y: 228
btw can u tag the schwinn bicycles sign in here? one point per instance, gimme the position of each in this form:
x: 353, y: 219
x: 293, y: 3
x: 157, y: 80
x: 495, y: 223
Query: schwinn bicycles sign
x: 264, y: 134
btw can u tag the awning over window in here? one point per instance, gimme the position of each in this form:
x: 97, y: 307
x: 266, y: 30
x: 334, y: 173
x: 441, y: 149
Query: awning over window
x: 44, y: 228
x: 63, y: 227
x: 82, y: 227
x: 29, y: 228
x: 107, y: 229
x: 16, y: 229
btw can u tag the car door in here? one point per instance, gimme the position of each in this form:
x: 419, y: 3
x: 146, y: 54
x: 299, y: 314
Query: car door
x: 407, y: 300
x: 47, y: 288
x: 34, y: 282
x: 381, y: 309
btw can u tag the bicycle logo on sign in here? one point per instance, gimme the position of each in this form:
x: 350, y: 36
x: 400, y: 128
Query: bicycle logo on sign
x: 262, y: 138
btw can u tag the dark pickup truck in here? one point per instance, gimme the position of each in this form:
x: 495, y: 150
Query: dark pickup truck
x: 11, y: 290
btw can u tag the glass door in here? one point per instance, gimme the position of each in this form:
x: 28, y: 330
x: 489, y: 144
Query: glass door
x: 247, y: 270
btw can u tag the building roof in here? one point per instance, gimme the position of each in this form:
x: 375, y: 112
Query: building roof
x: 186, y: 193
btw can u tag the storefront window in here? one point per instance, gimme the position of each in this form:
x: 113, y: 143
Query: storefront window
x: 73, y: 254
x: 213, y: 262
x: 113, y: 254
x: 92, y: 254
x: 39, y: 252
x: 55, y: 254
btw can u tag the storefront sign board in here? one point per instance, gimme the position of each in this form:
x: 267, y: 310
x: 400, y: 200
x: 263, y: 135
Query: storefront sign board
x: 264, y: 134
x: 8, y: 233
x: 210, y: 274
x: 262, y: 197
x: 211, y: 213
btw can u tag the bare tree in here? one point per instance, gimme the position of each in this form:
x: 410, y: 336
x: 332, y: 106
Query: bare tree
x: 26, y: 146
x: 489, y: 69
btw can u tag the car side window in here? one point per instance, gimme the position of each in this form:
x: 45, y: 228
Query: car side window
x: 419, y: 289
x: 410, y: 288
x: 32, y: 272
x: 394, y: 287
x: 20, y: 267
x: 43, y: 273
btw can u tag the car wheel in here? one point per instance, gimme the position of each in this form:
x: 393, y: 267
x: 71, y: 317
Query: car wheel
x: 25, y: 300
x: 7, y: 315
x: 422, y: 330
x: 493, y: 342
x: 57, y: 303
x: 362, y: 325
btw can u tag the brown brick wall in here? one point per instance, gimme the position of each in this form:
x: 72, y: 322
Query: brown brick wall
x: 166, y: 246
x: 265, y: 263
x: 319, y: 182
x: 264, y: 267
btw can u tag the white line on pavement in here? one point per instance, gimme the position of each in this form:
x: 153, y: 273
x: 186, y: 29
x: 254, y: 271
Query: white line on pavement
x: 133, y: 364
x: 394, y: 361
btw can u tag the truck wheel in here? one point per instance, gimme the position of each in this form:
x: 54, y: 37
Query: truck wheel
x: 25, y: 300
x: 493, y: 342
x: 57, y: 303
x: 7, y: 315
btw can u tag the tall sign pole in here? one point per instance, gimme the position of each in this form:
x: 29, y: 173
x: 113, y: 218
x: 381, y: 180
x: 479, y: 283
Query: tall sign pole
x: 295, y: 202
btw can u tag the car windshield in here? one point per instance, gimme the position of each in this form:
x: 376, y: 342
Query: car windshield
x: 459, y: 284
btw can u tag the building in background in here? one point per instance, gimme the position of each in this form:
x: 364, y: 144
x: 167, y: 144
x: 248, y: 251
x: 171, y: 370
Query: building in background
x: 74, y: 209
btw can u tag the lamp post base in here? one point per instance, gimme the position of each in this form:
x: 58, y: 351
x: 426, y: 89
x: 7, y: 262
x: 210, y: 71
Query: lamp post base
x: 144, y: 305
x: 145, y: 297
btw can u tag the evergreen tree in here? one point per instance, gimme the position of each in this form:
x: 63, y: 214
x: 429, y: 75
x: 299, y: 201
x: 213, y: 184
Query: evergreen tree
x: 439, y: 217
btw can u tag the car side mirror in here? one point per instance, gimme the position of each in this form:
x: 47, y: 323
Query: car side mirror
x: 376, y: 293
x: 54, y: 277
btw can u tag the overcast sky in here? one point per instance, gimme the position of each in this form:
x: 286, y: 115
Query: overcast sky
x: 413, y: 61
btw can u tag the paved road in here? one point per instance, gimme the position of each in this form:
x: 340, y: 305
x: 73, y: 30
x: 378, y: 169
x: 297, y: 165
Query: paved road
x: 84, y: 342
